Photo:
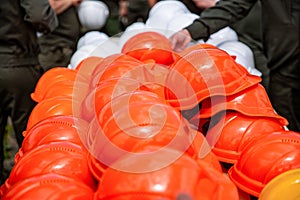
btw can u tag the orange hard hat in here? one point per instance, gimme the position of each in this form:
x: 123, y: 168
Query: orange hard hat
x: 112, y: 141
x: 264, y: 158
x: 115, y: 104
x: 144, y: 115
x: 160, y: 179
x: 103, y: 93
x: 64, y: 158
x: 65, y: 89
x: 149, y: 45
x: 150, y: 73
x: 124, y: 66
x: 106, y: 61
x: 203, y: 73
x: 113, y: 61
x: 61, y: 105
x: 253, y: 101
x: 55, y: 76
x: 107, y: 148
x: 87, y: 65
x: 118, y: 102
x: 49, y: 186
x: 229, y: 136
x: 55, y: 129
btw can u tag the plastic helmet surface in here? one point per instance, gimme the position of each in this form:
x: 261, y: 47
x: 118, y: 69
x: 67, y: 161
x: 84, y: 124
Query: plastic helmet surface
x: 64, y: 158
x: 104, y: 93
x: 61, y: 105
x: 199, y: 150
x: 49, y: 186
x: 80, y: 54
x: 64, y: 89
x: 136, y: 28
x: 197, y: 179
x: 114, y: 66
x: 149, y: 45
x: 284, y: 185
x: 263, y: 159
x: 102, y: 65
x: 226, y: 34
x: 54, y: 76
x: 140, y: 115
x: 106, y: 48
x: 132, y: 139
x: 125, y: 99
x: 243, y: 55
x: 92, y: 38
x: 87, y: 66
x: 55, y: 129
x: 205, y: 72
x: 137, y: 125
x: 181, y: 21
x: 123, y: 67
x: 93, y: 14
x: 229, y: 137
x: 163, y: 12
x: 131, y: 30
x: 253, y: 101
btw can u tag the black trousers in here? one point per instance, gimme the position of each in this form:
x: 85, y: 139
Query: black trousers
x: 285, y: 100
x: 16, y: 85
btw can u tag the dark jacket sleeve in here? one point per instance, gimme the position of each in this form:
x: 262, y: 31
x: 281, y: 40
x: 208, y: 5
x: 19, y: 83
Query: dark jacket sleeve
x: 40, y: 14
x: 223, y: 14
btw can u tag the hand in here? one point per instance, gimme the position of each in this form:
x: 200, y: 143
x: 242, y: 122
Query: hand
x: 60, y: 6
x: 204, y: 4
x: 180, y: 40
x: 123, y: 8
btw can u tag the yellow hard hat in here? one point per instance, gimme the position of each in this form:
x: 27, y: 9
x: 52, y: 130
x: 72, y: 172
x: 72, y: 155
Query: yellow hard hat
x: 285, y: 185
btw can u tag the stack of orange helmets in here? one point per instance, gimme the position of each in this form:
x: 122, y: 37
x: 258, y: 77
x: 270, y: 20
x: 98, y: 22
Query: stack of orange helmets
x: 232, y: 109
x: 150, y: 123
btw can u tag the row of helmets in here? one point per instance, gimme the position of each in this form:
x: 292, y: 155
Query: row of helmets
x: 151, y: 123
x: 177, y: 17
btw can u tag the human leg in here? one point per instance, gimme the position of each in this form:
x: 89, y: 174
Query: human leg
x: 285, y: 100
x: 21, y: 83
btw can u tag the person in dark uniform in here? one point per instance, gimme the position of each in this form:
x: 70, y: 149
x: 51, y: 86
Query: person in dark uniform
x: 58, y: 46
x: 253, y: 39
x: 281, y: 43
x: 19, y: 66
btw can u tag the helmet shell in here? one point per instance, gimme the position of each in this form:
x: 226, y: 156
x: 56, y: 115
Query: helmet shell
x: 263, y: 159
x: 93, y: 14
x: 205, y: 72
x: 284, y: 185
x: 197, y: 179
x: 49, y: 186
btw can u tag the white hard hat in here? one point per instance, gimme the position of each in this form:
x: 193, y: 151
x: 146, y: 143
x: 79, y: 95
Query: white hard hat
x: 92, y: 14
x: 163, y: 12
x: 80, y: 54
x: 168, y: 8
x: 181, y: 21
x: 92, y: 37
x: 132, y: 30
x: 107, y: 48
x: 223, y: 35
x: 243, y: 53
